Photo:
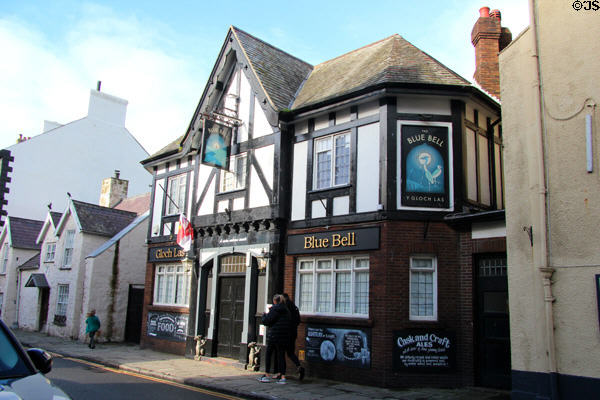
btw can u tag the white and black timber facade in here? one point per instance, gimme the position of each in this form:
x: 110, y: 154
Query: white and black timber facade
x: 368, y: 187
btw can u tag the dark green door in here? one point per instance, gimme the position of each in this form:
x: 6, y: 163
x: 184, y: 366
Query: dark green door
x: 231, y: 316
x: 492, y: 322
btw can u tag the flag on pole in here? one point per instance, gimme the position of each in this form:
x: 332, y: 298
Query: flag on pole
x: 185, y: 233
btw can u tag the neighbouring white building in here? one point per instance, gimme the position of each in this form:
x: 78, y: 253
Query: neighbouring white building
x: 17, y: 245
x: 68, y: 157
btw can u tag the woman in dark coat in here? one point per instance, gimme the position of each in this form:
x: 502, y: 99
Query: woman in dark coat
x: 278, y: 321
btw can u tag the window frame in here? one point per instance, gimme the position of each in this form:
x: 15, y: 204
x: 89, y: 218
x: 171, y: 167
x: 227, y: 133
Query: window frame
x: 69, y: 245
x: 48, y: 252
x: 434, y: 270
x: 180, y: 201
x: 333, y: 272
x: 238, y: 178
x: 171, y: 298
x: 4, y: 259
x: 333, y: 160
x: 62, y: 306
x: 1, y: 302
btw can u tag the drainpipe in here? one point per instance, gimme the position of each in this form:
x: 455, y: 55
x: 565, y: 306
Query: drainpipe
x: 545, y: 270
x: 18, y: 299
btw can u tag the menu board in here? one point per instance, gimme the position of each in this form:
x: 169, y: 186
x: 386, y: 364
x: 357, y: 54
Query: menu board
x: 423, y: 350
x: 169, y: 326
x: 339, y: 346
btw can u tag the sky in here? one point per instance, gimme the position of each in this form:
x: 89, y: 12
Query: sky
x: 158, y: 55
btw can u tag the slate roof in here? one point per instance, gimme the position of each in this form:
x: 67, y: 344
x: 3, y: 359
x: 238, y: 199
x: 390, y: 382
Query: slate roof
x: 56, y: 216
x: 37, y: 280
x: 137, y: 204
x: 24, y: 232
x: 172, y: 147
x: 100, y: 220
x: 280, y: 73
x: 391, y: 60
x: 32, y: 263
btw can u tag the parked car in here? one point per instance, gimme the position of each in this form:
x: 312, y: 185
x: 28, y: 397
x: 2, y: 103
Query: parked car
x: 21, y: 372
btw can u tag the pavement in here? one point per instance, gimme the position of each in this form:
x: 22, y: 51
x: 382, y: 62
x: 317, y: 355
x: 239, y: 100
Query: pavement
x: 234, y: 381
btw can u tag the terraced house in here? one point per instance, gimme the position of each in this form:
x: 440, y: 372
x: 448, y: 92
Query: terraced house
x: 368, y: 187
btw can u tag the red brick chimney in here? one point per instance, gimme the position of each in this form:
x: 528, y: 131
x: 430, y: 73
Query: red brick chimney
x: 489, y: 38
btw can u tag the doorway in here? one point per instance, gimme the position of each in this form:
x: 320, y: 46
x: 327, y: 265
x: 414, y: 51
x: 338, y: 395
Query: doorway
x: 133, y: 322
x: 45, y: 296
x: 492, y: 322
x: 231, y: 316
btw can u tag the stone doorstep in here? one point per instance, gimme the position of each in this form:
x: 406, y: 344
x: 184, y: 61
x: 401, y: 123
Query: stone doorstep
x: 222, y: 361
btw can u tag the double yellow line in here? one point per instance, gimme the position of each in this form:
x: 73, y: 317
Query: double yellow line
x: 150, y: 378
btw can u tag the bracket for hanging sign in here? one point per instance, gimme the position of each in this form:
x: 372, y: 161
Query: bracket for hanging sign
x: 222, y: 119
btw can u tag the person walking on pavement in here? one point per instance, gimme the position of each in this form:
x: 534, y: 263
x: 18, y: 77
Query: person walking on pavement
x: 92, y: 325
x: 295, y: 321
x: 278, y: 321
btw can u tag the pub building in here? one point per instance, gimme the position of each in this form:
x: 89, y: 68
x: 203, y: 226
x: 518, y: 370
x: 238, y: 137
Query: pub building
x: 368, y: 187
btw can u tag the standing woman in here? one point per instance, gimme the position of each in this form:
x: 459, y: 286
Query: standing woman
x: 92, y: 325
x: 278, y: 320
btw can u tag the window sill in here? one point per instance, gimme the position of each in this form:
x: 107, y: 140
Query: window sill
x: 231, y: 191
x: 348, y: 185
x: 336, y: 319
x: 65, y: 268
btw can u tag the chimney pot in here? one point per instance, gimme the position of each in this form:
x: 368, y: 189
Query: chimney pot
x: 117, y: 173
x: 496, y: 14
x: 484, y: 12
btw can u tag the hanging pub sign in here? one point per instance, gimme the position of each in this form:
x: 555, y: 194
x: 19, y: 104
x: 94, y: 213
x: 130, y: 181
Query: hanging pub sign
x: 216, y: 146
x: 424, y: 350
x: 169, y: 326
x: 339, y: 346
x: 425, y: 166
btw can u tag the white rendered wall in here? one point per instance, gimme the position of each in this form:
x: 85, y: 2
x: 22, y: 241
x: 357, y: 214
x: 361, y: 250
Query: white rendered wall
x: 299, y: 181
x: 367, y: 168
x: 8, y: 282
x: 261, y: 125
x: 98, y: 274
x: 74, y: 158
x: 29, y: 303
x: 423, y: 105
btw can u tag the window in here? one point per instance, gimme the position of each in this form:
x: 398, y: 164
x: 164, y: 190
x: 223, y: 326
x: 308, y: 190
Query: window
x: 337, y: 286
x: 4, y: 259
x: 236, y: 178
x: 68, y: 255
x: 332, y: 161
x: 63, y: 300
x: 423, y: 288
x: 176, y: 189
x: 172, y: 285
x: 50, y: 251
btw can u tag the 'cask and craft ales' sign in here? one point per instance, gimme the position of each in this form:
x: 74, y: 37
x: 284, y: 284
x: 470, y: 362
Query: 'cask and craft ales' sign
x: 328, y: 242
x: 424, y: 350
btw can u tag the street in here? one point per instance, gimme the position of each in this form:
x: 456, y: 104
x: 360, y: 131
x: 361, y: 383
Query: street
x: 85, y: 380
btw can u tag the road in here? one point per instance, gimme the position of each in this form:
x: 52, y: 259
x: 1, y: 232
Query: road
x: 87, y: 381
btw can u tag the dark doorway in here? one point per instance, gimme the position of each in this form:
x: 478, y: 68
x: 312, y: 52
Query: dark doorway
x: 492, y: 322
x: 133, y: 322
x: 45, y: 296
x: 231, y: 316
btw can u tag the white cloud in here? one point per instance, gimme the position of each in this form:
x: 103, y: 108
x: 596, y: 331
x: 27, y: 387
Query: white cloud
x: 133, y: 58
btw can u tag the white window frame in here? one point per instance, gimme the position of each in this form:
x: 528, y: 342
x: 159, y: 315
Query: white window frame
x: 161, y: 275
x: 234, y: 179
x: 433, y: 270
x: 4, y: 259
x: 50, y: 252
x: 332, y: 166
x: 68, y: 251
x: 333, y: 272
x: 176, y: 189
x: 62, y: 300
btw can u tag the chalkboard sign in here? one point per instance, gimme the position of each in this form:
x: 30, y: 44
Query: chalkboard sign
x: 169, y: 326
x: 424, y: 350
x: 339, y: 346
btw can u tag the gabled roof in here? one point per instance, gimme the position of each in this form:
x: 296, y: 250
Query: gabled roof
x: 391, y: 60
x: 279, y: 73
x: 23, y: 232
x: 51, y: 222
x: 137, y: 204
x: 100, y: 220
x: 106, y: 245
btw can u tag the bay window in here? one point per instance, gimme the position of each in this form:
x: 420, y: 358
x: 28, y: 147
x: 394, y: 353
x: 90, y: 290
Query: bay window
x: 332, y: 161
x: 172, y: 285
x: 335, y: 286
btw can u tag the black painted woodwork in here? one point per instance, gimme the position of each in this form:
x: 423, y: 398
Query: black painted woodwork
x: 133, y: 320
